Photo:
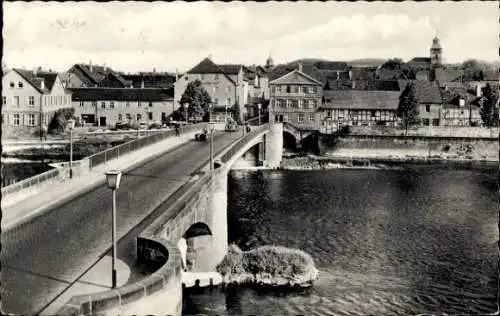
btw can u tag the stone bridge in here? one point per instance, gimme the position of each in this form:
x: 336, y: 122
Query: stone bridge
x: 297, y: 133
x: 196, y: 222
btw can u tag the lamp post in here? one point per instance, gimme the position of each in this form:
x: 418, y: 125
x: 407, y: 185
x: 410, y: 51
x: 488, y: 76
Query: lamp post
x: 186, y: 111
x: 258, y: 107
x: 212, y: 127
x: 113, y: 178
x: 71, y: 125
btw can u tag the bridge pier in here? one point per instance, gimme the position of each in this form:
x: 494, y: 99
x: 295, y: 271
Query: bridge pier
x: 274, y: 145
x: 219, y: 219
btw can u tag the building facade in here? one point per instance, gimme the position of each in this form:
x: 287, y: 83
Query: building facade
x: 225, y: 84
x: 30, y: 98
x: 295, y: 98
x: 358, y: 107
x: 108, y: 106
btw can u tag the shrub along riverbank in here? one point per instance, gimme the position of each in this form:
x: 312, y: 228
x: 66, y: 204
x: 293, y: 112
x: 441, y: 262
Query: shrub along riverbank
x: 81, y: 149
x: 268, y: 265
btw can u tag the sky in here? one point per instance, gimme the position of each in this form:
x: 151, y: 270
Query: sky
x: 169, y: 36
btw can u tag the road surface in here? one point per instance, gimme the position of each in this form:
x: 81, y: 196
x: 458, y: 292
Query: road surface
x: 42, y: 258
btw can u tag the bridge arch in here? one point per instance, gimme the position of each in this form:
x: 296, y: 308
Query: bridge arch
x: 289, y: 140
x: 196, y: 230
x: 195, y: 247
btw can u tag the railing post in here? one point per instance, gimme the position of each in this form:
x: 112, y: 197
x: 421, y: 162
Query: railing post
x: 105, y: 154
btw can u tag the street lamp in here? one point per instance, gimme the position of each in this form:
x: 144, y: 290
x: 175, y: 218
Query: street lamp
x: 210, y: 106
x: 113, y: 177
x: 258, y: 107
x: 186, y: 105
x: 212, y: 127
x: 71, y: 125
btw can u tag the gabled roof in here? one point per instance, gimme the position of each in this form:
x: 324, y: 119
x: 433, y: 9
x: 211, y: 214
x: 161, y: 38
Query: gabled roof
x: 151, y: 80
x: 88, y: 77
x: 296, y: 77
x: 427, y: 92
x: 372, y: 85
x: 444, y: 75
x: 206, y: 66
x: 361, y: 99
x: 230, y: 69
x: 35, y: 79
x: 113, y: 75
x: 420, y: 62
x: 121, y: 94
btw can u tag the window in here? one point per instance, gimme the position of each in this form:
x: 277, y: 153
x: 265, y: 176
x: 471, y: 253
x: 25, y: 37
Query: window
x: 288, y: 103
x: 16, y: 119
x: 20, y: 84
x: 435, y: 122
x: 427, y: 108
x: 31, y: 119
x: 94, y: 103
x: 120, y: 117
x: 295, y: 89
x: 139, y: 103
x: 202, y: 77
x: 150, y: 104
x: 139, y: 116
x: 82, y: 103
x: 150, y: 115
x: 128, y: 116
x: 311, y: 117
x: 112, y: 104
x: 279, y: 103
x: 302, y: 89
x: 127, y: 103
x: 312, y: 89
x: 425, y: 122
x: 228, y: 101
x: 283, y: 89
x: 12, y: 84
x: 16, y: 101
x: 288, y: 89
x: 103, y: 104
x: 285, y: 118
x: 310, y: 104
x: 328, y: 114
x: 300, y: 118
x: 31, y: 101
x: 216, y: 76
x: 273, y: 89
x: 4, y: 100
x: 301, y: 104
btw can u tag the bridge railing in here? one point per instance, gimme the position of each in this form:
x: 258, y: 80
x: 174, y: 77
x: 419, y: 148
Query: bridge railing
x: 30, y: 182
x: 242, y: 142
x: 120, y: 150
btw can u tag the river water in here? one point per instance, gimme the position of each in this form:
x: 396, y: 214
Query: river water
x: 411, y: 241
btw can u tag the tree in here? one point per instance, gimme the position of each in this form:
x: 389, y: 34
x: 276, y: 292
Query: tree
x: 58, y: 121
x: 489, y: 109
x: 197, y: 98
x: 408, y: 107
x: 393, y: 63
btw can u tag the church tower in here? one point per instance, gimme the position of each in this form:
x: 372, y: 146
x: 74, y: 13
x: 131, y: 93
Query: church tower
x: 436, y: 52
x: 269, y: 62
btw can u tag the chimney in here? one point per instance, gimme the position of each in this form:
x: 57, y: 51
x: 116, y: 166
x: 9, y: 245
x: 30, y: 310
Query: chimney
x: 350, y: 74
x: 176, y: 75
x: 461, y: 102
x: 105, y: 67
x: 338, y: 75
x: 142, y: 83
x: 300, y: 67
x: 42, y: 84
x: 154, y: 70
x: 90, y: 65
x: 478, y: 91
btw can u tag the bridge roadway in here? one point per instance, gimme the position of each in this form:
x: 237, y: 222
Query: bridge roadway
x: 44, y: 257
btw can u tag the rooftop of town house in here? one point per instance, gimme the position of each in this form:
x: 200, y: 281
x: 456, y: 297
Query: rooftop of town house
x: 207, y: 66
x: 121, y: 94
x: 361, y: 99
x: 296, y: 77
x: 382, y: 85
x: 427, y: 92
x: 92, y: 74
x: 452, y: 96
x: 35, y: 79
x: 230, y: 69
x: 116, y: 76
x: 150, y: 79
x: 444, y: 75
